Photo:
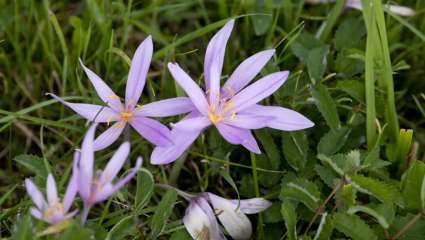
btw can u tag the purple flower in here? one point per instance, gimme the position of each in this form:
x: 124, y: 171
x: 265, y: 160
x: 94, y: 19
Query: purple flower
x: 233, y: 109
x: 135, y: 115
x: 200, y: 217
x: 52, y: 210
x: 97, y: 188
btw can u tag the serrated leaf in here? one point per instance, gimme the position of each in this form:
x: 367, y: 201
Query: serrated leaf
x: 122, y: 229
x: 302, y: 191
x: 295, y: 149
x: 353, y: 226
x: 333, y: 141
x: 412, y: 185
x: 383, y: 191
x: 270, y: 147
x: 326, y: 106
x: 329, y: 161
x: 145, y: 187
x: 33, y: 163
x: 162, y: 213
x: 290, y: 216
x: 326, y: 174
x: 380, y: 219
x: 348, y: 195
x: 325, y: 229
x: 317, y: 62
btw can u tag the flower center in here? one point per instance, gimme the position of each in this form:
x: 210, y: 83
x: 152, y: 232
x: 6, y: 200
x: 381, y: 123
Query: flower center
x: 214, y: 118
x: 126, y: 116
x: 50, y: 211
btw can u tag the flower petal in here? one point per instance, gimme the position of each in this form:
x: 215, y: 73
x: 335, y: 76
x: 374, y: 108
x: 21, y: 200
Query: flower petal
x: 72, y: 188
x: 154, y: 131
x: 109, y: 136
x: 36, y: 213
x: 192, y: 124
x: 115, y: 164
x: 245, y: 72
x: 234, y: 221
x: 138, y: 72
x: 399, y: 10
x: 283, y: 118
x: 35, y: 194
x: 103, y: 91
x: 235, y: 135
x: 253, y: 205
x: 200, y: 221
x: 259, y: 90
x: 52, y: 192
x: 248, y: 121
x: 85, y: 168
x: 166, y: 108
x: 90, y: 112
x: 190, y: 87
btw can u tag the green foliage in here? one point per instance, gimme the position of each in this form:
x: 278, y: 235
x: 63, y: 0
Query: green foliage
x: 290, y: 216
x: 326, y: 106
x: 162, y: 213
x: 353, y: 226
x: 412, y: 186
x: 295, y: 149
x: 325, y: 229
x: 385, y: 192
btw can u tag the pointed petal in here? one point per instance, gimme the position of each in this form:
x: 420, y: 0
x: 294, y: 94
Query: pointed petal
x: 138, y: 72
x: 234, y: 221
x: 154, y: 131
x: 35, y: 194
x: 90, y: 112
x: 200, y: 221
x: 71, y: 214
x: 36, y: 213
x: 192, y: 124
x: 192, y: 90
x: 115, y: 164
x: 182, y: 141
x: 72, y: 188
x: 259, y: 90
x: 248, y: 121
x: 109, y: 136
x: 52, y: 192
x: 245, y: 72
x: 166, y: 108
x: 253, y: 205
x: 283, y: 118
x: 85, y: 169
x: 214, y: 57
x: 401, y: 10
x: 103, y: 91
x: 235, y: 135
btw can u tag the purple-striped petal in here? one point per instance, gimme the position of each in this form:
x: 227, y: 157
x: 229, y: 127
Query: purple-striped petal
x: 138, y: 72
x: 115, y: 164
x: 283, y: 118
x: 253, y: 205
x: 190, y: 87
x: 36, y: 213
x: 35, y: 194
x: 248, y: 121
x: 103, y: 91
x: 166, y: 108
x: 109, y: 136
x: 72, y: 188
x: 90, y: 112
x: 152, y: 130
x: 85, y: 168
x: 52, y: 192
x: 245, y: 72
x: 192, y: 124
x: 259, y: 90
x: 235, y: 135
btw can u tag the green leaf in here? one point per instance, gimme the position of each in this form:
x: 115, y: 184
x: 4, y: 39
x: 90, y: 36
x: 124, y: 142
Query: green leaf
x: 383, y: 191
x: 295, y: 148
x: 381, y: 219
x: 303, y: 44
x: 270, y: 147
x: 348, y: 195
x: 325, y: 229
x: 354, y: 88
x: 317, y: 62
x: 290, y: 216
x: 76, y: 232
x: 225, y: 174
x: 22, y: 230
x: 349, y: 33
x: 326, y: 106
x: 415, y: 231
x: 353, y: 226
x: 412, y: 185
x: 303, y: 191
x: 333, y: 141
x: 145, y: 186
x: 162, y: 213
x: 122, y: 229
x: 261, y: 22
x: 33, y: 163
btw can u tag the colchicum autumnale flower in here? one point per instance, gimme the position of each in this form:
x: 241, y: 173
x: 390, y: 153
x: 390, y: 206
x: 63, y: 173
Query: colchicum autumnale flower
x: 97, y: 188
x: 233, y: 109
x: 52, y: 210
x: 135, y: 115
x: 200, y: 217
x: 357, y: 4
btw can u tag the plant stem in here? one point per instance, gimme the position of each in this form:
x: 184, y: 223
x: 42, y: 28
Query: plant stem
x: 408, y: 225
x: 85, y: 214
x: 260, y: 232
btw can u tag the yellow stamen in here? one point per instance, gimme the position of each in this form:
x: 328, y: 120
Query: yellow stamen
x: 233, y: 116
x: 117, y: 126
x: 126, y: 115
x: 139, y: 106
x: 57, y: 207
x: 108, y: 121
x: 227, y: 106
x: 113, y: 97
x: 214, y: 118
x: 230, y: 90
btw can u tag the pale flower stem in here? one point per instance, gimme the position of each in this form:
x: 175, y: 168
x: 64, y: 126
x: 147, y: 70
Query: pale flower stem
x: 84, y: 214
x: 182, y: 194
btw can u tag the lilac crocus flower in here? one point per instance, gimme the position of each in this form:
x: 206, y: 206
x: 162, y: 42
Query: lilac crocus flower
x: 356, y: 4
x: 135, y: 115
x: 233, y: 109
x: 94, y: 189
x: 200, y: 217
x: 52, y: 210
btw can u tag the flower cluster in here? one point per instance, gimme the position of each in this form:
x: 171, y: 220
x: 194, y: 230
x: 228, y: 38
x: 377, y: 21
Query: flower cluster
x: 233, y: 109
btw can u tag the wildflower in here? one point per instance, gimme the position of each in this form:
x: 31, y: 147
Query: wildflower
x: 53, y: 211
x: 233, y: 108
x: 200, y: 217
x: 94, y: 189
x: 135, y: 115
x: 356, y: 4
